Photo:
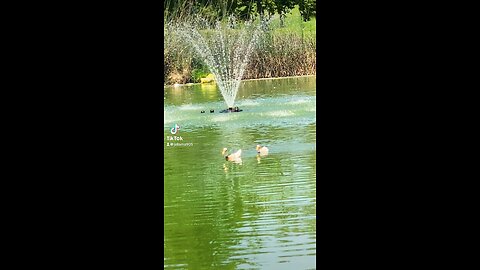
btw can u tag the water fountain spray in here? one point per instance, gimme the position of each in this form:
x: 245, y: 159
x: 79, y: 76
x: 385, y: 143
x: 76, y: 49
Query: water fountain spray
x: 225, y: 47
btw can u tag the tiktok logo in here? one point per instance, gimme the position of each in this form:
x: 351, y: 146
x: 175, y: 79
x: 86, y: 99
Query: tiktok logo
x: 175, y: 129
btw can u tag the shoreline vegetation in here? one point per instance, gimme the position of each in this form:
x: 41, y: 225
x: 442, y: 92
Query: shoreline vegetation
x: 288, y: 49
x: 243, y: 80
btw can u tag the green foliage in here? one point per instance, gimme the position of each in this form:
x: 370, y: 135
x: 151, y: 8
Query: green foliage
x: 294, y: 23
x: 308, y: 9
x: 242, y: 9
x: 200, y: 70
x: 197, y: 74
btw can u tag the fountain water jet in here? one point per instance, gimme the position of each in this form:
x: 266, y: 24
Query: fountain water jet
x: 225, y: 48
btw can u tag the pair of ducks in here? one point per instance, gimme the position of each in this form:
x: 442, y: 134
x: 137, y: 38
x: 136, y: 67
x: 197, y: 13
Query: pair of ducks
x: 262, y: 150
x: 211, y: 111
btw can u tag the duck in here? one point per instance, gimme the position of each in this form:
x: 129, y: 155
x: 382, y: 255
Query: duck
x: 232, y: 157
x: 262, y: 150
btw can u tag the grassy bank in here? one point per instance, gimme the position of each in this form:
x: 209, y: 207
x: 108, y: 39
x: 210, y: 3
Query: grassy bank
x: 287, y: 50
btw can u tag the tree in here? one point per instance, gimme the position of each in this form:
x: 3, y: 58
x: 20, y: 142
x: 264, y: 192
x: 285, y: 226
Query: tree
x: 282, y: 7
x: 308, y: 9
x: 242, y: 9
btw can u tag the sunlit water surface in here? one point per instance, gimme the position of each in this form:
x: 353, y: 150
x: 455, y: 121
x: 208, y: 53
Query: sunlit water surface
x: 255, y: 214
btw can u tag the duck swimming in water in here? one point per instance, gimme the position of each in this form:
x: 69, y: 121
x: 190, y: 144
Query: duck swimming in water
x: 232, y: 157
x: 262, y: 150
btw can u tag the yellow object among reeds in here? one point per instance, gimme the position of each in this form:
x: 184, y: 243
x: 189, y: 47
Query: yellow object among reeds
x: 208, y: 79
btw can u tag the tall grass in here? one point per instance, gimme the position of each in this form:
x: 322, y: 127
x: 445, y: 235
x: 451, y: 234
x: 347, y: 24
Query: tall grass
x: 282, y: 56
x: 177, y: 58
x: 284, y: 51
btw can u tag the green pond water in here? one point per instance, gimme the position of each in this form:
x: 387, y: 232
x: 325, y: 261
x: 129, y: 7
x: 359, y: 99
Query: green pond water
x: 257, y: 213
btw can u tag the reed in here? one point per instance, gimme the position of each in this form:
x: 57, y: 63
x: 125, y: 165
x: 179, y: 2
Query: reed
x: 288, y: 50
x: 280, y: 56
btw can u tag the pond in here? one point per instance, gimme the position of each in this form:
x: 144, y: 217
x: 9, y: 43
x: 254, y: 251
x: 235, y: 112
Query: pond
x: 259, y: 213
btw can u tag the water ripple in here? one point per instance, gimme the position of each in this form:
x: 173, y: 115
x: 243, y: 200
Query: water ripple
x: 260, y: 214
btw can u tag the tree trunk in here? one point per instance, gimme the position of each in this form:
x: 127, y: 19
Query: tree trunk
x: 260, y: 9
